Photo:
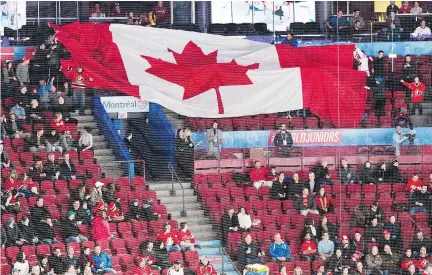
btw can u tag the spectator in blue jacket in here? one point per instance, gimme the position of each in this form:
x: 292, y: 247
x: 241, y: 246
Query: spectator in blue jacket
x: 43, y: 92
x: 279, y: 250
x: 102, y: 261
x: 19, y: 111
x: 290, y: 40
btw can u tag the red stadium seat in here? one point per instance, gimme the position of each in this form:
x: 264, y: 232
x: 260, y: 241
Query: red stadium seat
x: 29, y: 250
x: 43, y: 249
x: 89, y: 244
x: 11, y: 252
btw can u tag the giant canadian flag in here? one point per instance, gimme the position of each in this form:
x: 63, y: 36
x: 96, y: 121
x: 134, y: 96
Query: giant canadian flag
x: 203, y: 75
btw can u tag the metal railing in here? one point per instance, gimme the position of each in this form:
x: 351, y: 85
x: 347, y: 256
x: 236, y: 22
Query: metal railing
x: 224, y: 253
x: 172, y: 191
x: 112, y: 164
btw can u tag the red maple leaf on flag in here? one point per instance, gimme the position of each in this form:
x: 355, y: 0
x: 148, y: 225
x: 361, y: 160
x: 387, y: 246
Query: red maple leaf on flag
x: 197, y: 72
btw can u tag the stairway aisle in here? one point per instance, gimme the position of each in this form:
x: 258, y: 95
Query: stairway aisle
x: 102, y: 153
x: 200, y: 225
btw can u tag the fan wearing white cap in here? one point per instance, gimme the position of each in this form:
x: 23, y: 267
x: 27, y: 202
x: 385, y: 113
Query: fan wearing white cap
x: 96, y: 193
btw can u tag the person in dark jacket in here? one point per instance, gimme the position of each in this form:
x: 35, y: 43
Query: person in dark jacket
x: 71, y: 258
x: 373, y: 232
x: 3, y: 237
x: 283, y: 140
x: 45, y: 231
x: 70, y: 231
x: 67, y: 168
x: 336, y: 262
x: 379, y: 65
x: 64, y: 109
x: 58, y: 262
x: 394, y: 227
x: 79, y: 194
x: 38, y: 213
x: 28, y: 231
x: 14, y: 236
x: 306, y: 204
x: 135, y: 211
x: 394, y: 173
x: 367, y: 174
x: 375, y: 211
x: 85, y: 258
x: 294, y: 187
x: 54, y: 140
x: 34, y: 113
x: 386, y: 239
x: 379, y: 98
x: 382, y: 173
x: 420, y: 201
x: 322, y: 174
x: 346, y: 248
x: 148, y: 212
x: 38, y: 142
x: 312, y: 184
x: 390, y: 260
x: 229, y: 223
x: 420, y: 241
x: 279, y: 188
x: 51, y: 167
x: 82, y: 215
x: 347, y: 174
x: 248, y: 252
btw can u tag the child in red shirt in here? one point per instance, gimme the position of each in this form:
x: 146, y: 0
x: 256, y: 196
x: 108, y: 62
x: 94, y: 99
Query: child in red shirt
x: 141, y: 267
x: 205, y: 267
x: 114, y: 214
x: 414, y: 184
x: 185, y: 237
x: 169, y: 238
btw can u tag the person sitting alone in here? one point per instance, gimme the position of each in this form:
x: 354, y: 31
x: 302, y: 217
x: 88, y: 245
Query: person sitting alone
x: 258, y: 175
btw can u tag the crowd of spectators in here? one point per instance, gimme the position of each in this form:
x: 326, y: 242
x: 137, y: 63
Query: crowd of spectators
x: 375, y: 244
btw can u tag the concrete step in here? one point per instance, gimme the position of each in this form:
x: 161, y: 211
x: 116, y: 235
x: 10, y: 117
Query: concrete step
x: 178, y: 198
x: 97, y: 138
x: 190, y: 212
x: 194, y: 220
x: 103, y: 152
x: 164, y: 185
x: 165, y: 193
x: 100, y: 145
x: 105, y: 159
x: 200, y: 227
x: 83, y: 118
x: 205, y: 236
x: 188, y: 205
x: 91, y: 124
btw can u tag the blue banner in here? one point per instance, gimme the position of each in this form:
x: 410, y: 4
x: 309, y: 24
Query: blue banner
x: 324, y: 137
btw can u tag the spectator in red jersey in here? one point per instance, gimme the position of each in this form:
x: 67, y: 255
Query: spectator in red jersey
x: 161, y: 13
x: 424, y: 259
x: 113, y: 213
x: 323, y: 201
x: 407, y: 259
x: 419, y: 241
x: 96, y: 11
x: 414, y: 184
x: 147, y: 251
x: 116, y: 11
x: 79, y: 81
x: 417, y: 90
x: 12, y: 182
x: 405, y: 8
x: 186, y: 239
x: 169, y: 238
x: 258, y: 175
x: 141, y: 267
x: 100, y: 227
x: 58, y: 124
x: 305, y: 204
x: 309, y: 248
x: 428, y: 270
x: 205, y: 267
x: 28, y: 187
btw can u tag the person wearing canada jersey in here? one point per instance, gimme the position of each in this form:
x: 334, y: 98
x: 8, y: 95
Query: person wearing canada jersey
x: 417, y: 89
x: 169, y: 238
x: 205, y: 268
x: 428, y: 270
x: 185, y: 237
x: 424, y: 259
x: 141, y: 267
x: 79, y: 80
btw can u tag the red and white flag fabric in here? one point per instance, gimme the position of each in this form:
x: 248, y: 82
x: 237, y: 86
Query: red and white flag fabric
x: 204, y: 75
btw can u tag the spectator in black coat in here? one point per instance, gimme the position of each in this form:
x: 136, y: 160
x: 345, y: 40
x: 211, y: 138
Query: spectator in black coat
x: 67, y: 168
x: 70, y: 231
x: 34, y: 113
x: 326, y: 226
x: 322, y: 174
x: 64, y: 109
x: 420, y: 241
x: 79, y: 194
x: 386, y: 239
x: 283, y: 140
x: 85, y: 258
x: 58, y: 262
x: 46, y: 231
x: 347, y: 174
x: 148, y: 211
x: 279, y: 188
x: 393, y: 172
x: 367, y: 174
x: 373, y: 232
x: 39, y: 212
x: 72, y: 259
x: 379, y: 65
x: 28, y: 231
x: 14, y: 236
x: 347, y: 249
x: 294, y: 187
x: 394, y: 227
x: 375, y: 211
x: 52, y: 169
x: 312, y: 184
x: 3, y: 237
x: 306, y: 204
x: 382, y: 173
x: 81, y: 215
x: 135, y: 212
x: 248, y: 252
x: 229, y: 223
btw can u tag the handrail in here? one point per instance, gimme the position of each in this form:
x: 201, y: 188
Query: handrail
x: 172, y: 191
x: 112, y: 163
x: 223, y: 252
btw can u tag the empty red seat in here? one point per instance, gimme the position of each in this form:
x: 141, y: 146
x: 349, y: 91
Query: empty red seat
x: 126, y: 259
x: 89, y: 244
x: 119, y: 246
x: 174, y: 256
x: 43, y: 249
x: 11, y: 252
x: 29, y: 250
x: 125, y: 229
